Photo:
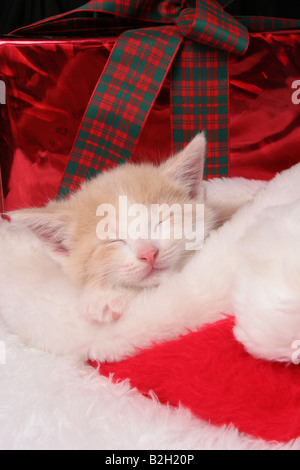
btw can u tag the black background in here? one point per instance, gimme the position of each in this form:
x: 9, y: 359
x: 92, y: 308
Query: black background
x: 277, y: 8
x: 17, y: 13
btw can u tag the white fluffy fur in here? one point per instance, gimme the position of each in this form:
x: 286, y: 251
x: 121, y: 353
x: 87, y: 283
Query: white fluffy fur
x: 49, y: 402
x: 250, y: 267
x: 266, y: 294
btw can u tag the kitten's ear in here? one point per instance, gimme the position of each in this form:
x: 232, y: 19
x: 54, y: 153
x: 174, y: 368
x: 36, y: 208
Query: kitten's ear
x: 51, y: 225
x: 186, y: 167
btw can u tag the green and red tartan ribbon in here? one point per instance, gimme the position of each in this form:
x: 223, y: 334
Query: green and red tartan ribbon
x: 190, y: 38
x: 121, y: 102
x: 262, y: 24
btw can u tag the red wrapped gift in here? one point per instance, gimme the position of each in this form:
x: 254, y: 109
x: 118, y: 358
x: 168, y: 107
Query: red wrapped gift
x: 68, y: 114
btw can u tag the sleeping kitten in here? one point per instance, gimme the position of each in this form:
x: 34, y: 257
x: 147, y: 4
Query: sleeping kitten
x: 49, y: 301
x: 108, y: 266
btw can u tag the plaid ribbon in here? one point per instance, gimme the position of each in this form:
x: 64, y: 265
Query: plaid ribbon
x: 258, y: 24
x: 192, y: 37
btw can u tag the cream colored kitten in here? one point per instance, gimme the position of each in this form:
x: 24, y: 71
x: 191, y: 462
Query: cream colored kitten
x: 40, y: 303
x: 110, y: 272
x: 108, y: 266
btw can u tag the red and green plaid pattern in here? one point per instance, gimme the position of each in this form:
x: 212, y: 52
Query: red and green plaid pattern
x: 205, y: 90
x: 212, y: 26
x: 263, y: 24
x: 200, y: 80
x: 159, y: 11
x: 122, y: 100
x: 150, y: 10
x: 194, y: 37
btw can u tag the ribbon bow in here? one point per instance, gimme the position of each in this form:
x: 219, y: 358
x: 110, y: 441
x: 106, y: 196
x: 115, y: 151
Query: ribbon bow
x: 203, y: 21
x: 209, y: 24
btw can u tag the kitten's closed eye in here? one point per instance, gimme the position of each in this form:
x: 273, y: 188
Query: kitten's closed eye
x: 117, y: 240
x: 164, y: 221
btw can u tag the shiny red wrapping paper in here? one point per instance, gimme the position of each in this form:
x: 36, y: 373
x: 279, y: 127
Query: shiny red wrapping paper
x: 49, y: 84
x: 264, y: 120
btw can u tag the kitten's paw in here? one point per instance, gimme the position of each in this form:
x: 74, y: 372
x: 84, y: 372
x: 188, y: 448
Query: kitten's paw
x: 105, y: 307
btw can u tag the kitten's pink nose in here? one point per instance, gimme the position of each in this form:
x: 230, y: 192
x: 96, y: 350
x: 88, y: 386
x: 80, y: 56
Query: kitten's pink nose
x: 148, y: 254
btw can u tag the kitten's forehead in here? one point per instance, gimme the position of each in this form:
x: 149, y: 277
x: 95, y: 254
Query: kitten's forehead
x: 146, y: 185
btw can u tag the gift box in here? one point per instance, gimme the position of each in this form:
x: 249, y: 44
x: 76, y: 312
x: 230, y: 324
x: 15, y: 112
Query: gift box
x: 136, y: 81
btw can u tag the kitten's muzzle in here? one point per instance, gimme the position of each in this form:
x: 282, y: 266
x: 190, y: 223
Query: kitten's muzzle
x: 148, y: 254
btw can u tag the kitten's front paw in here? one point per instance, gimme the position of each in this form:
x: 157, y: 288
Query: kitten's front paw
x: 105, y: 307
